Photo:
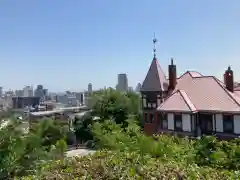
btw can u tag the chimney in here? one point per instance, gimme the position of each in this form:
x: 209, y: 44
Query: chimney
x: 224, y: 78
x: 229, y: 82
x: 172, y: 75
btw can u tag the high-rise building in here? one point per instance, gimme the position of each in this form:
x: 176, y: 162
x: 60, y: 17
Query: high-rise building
x: 19, y: 93
x: 28, y: 91
x: 39, y: 92
x: 138, y: 87
x: 89, y: 87
x: 45, y: 92
x: 122, y: 82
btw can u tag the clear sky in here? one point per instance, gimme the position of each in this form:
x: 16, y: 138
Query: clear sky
x: 65, y: 44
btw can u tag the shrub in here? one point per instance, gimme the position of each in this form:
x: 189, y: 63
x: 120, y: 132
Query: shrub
x: 125, y: 165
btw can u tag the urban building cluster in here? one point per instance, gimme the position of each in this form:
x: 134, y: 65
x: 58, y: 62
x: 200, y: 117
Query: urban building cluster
x: 34, y: 99
x: 39, y: 99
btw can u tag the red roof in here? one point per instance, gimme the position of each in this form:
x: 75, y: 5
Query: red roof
x: 155, y: 79
x: 184, y: 104
x: 206, y: 93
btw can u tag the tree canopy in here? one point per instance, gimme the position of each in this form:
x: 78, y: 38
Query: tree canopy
x: 21, y: 153
x: 108, y: 104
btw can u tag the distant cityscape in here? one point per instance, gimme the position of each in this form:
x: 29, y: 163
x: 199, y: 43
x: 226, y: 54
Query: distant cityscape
x: 36, y: 99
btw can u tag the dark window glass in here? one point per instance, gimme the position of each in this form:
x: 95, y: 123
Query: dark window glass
x: 145, y: 117
x: 149, y: 118
x: 228, y: 123
x: 162, y: 120
x: 178, y: 122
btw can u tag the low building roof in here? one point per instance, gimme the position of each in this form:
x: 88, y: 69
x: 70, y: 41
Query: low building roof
x: 178, y: 101
x: 206, y: 93
x: 45, y: 113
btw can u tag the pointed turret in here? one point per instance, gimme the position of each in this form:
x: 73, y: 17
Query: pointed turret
x: 155, y: 79
x: 153, y: 91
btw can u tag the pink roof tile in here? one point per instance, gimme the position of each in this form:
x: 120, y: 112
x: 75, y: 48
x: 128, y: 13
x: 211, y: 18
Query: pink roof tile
x: 155, y: 79
x: 195, y: 74
x: 178, y: 101
x: 237, y: 93
x: 207, y: 93
x: 237, y: 88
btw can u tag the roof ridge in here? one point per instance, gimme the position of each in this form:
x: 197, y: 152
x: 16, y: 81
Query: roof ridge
x: 159, y: 66
x: 184, y: 74
x: 184, y: 98
x: 228, y: 93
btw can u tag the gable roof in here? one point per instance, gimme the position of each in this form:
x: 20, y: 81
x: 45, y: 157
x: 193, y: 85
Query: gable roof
x: 155, y: 79
x: 178, y: 101
x: 207, y: 93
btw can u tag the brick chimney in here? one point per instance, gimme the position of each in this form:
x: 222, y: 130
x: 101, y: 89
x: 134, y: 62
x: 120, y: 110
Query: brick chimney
x: 172, y: 75
x: 229, y: 81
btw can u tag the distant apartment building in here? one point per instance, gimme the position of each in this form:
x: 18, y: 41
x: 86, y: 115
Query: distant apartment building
x: 19, y: 93
x: 45, y: 92
x: 80, y: 97
x: 122, y: 84
x: 28, y: 91
x: 22, y: 102
x: 138, y: 88
x: 39, y: 91
x: 67, y: 100
x: 89, y: 87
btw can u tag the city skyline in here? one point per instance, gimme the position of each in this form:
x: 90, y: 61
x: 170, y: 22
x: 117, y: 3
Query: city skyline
x: 74, y: 43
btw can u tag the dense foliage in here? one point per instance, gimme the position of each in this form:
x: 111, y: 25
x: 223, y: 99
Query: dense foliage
x: 112, y: 165
x: 21, y: 153
x: 108, y: 104
x: 112, y: 104
x: 128, y: 154
x: 207, y: 151
x: 124, y: 152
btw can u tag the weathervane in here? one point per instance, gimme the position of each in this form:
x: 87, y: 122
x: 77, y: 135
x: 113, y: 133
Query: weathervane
x: 154, y: 45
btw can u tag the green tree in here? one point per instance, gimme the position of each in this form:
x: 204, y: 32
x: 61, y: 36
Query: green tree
x: 21, y: 154
x: 83, y: 127
x: 112, y: 104
x: 50, y: 132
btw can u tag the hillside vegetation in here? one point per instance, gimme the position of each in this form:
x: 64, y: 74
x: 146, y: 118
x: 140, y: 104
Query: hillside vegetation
x: 123, y: 151
x: 128, y: 154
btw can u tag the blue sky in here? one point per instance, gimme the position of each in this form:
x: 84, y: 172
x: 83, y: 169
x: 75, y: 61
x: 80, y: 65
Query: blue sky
x: 65, y: 44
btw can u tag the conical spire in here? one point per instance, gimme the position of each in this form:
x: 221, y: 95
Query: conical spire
x: 155, y: 79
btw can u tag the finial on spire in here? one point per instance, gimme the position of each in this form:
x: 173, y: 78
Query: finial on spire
x: 154, y: 45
